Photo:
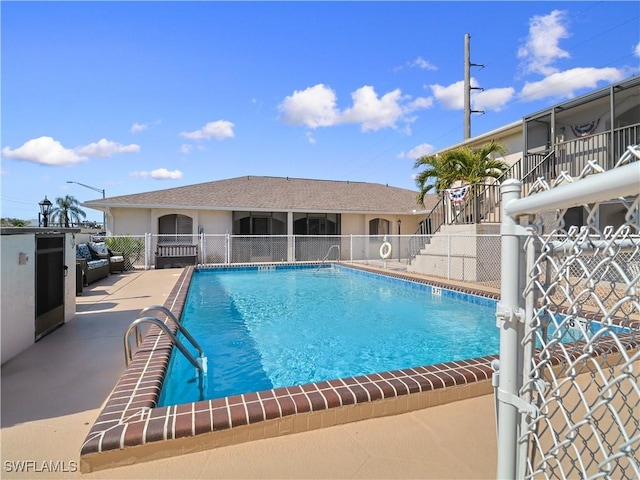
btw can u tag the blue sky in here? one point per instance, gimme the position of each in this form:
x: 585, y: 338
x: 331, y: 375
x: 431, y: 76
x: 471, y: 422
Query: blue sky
x: 133, y: 97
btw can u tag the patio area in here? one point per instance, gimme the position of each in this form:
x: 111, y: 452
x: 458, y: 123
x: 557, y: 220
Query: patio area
x: 53, y: 392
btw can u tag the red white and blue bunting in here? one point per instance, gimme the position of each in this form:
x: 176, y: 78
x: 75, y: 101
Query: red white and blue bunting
x: 458, y: 195
x: 585, y: 129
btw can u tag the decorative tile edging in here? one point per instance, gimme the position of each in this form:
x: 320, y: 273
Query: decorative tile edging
x: 131, y: 420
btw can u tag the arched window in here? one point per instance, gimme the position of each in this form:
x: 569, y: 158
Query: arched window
x: 379, y: 226
x: 171, y: 226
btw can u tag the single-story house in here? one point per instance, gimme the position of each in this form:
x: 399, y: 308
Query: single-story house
x: 257, y: 205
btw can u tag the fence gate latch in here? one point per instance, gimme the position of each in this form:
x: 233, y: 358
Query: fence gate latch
x: 504, y: 314
x: 519, y: 403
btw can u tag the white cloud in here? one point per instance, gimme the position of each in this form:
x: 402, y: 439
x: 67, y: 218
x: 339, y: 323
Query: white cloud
x: 310, y: 137
x: 449, y: 97
x: 138, y: 127
x: 44, y: 150
x: 423, y: 64
x: 105, y: 148
x: 185, y: 148
x: 371, y: 112
x: 566, y: 84
x: 541, y: 48
x: 419, y: 103
x: 636, y: 50
x: 48, y: 151
x: 418, y: 151
x: 219, y: 130
x: 158, y: 174
x: 493, y: 99
x: 417, y: 63
x: 314, y: 107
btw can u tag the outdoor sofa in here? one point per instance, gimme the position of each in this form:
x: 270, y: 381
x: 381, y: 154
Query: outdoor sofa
x: 97, y: 261
x: 93, y: 267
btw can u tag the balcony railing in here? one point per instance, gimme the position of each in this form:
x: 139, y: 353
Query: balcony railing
x: 571, y: 157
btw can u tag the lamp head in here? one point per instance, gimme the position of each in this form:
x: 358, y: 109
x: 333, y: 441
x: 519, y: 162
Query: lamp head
x: 45, y: 206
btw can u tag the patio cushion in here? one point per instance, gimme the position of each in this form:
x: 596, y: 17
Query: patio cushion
x: 117, y: 258
x: 82, y: 252
x: 97, y: 263
x: 99, y: 248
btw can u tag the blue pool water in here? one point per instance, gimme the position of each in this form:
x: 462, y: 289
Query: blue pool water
x: 268, y: 329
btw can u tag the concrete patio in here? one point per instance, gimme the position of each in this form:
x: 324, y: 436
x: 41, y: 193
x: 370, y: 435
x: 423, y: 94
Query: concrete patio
x: 53, y: 392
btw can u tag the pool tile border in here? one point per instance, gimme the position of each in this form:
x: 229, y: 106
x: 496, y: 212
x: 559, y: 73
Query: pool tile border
x: 132, y: 428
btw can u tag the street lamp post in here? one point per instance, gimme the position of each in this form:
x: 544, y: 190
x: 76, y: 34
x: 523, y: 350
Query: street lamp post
x: 399, y: 240
x: 101, y: 190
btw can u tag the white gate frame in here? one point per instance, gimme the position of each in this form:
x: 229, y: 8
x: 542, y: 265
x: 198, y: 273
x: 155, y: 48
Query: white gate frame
x: 513, y: 311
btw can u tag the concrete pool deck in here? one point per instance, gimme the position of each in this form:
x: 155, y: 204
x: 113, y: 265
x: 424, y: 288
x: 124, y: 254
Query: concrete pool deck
x: 54, y: 391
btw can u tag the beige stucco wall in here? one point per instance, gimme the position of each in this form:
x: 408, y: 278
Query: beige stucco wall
x: 17, y: 291
x: 215, y: 221
x: 353, y: 224
x: 140, y: 221
x: 130, y: 221
x: 18, y: 303
x: 515, y: 147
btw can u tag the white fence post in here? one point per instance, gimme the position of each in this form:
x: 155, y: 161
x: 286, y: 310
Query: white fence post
x: 202, y: 248
x: 448, y: 256
x: 293, y: 248
x: 508, y: 315
x: 147, y: 251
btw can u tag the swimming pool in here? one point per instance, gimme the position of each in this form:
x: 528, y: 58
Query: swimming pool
x: 265, y: 329
x: 133, y: 427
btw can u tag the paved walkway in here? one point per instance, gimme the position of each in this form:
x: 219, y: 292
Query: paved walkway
x: 52, y: 393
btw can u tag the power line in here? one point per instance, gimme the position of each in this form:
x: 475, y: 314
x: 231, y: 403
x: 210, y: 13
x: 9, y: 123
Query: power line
x: 10, y: 200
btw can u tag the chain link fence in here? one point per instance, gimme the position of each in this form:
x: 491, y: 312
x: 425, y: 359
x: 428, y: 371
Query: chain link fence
x: 471, y: 258
x: 567, y: 382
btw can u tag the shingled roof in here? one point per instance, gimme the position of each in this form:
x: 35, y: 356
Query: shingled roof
x: 276, y: 194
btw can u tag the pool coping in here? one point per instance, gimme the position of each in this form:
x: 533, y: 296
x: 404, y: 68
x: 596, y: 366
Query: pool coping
x: 131, y: 428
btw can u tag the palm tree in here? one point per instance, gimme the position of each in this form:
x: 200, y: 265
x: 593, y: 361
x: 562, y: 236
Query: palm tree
x: 438, y: 173
x: 469, y: 165
x: 478, y: 164
x: 67, y: 210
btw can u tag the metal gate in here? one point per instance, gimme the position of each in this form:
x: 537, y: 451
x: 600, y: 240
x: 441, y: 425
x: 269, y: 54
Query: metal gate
x: 567, y: 383
x: 50, y: 273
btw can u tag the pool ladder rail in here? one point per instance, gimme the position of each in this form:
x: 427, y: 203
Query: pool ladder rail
x: 200, y: 363
x: 322, y: 262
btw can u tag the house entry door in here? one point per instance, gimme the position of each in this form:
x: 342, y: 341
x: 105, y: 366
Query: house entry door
x: 50, y: 272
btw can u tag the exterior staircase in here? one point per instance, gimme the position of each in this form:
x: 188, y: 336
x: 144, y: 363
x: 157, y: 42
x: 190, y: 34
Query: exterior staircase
x: 480, y: 213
